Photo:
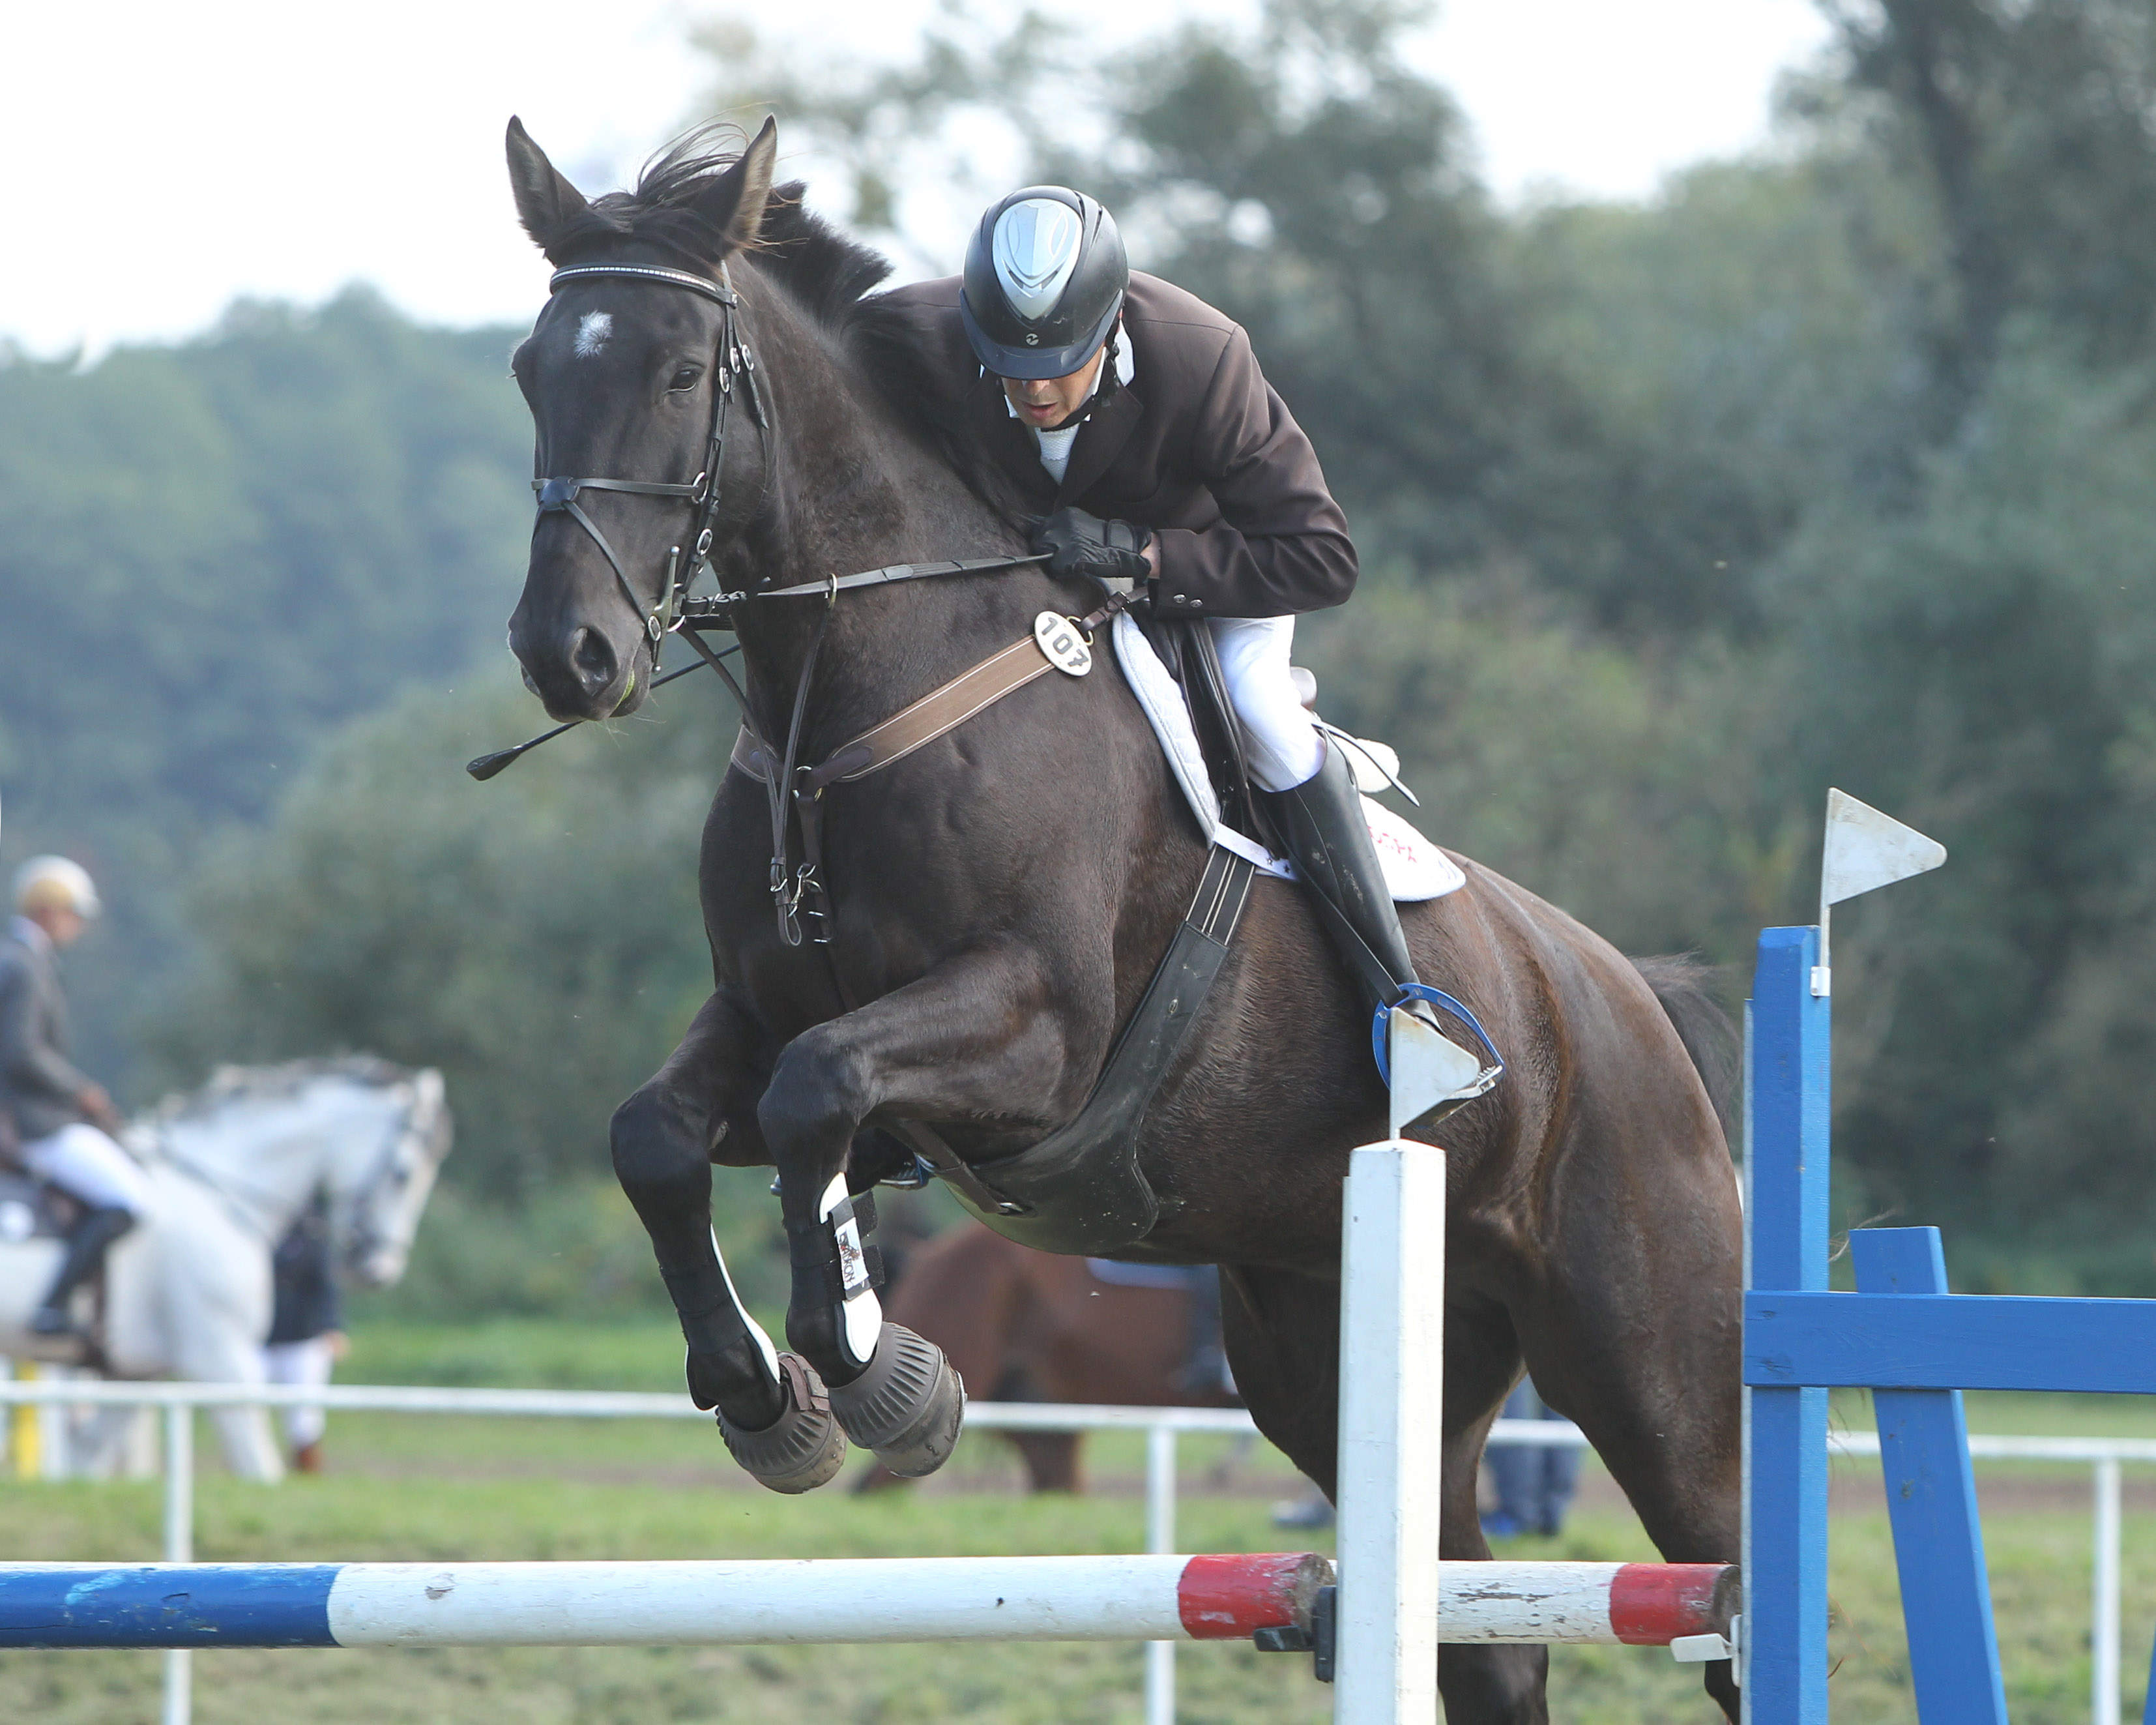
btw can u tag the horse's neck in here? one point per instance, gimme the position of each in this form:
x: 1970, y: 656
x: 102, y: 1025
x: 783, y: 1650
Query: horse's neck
x: 267, y: 1158
x: 850, y: 486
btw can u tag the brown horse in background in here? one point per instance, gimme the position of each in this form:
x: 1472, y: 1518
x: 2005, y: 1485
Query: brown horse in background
x: 1000, y: 898
x: 1022, y: 1326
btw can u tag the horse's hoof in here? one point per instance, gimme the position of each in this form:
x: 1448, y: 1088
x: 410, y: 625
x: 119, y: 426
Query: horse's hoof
x: 803, y: 1447
x: 907, y: 1407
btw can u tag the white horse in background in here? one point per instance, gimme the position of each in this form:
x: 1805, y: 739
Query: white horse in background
x: 187, y: 1293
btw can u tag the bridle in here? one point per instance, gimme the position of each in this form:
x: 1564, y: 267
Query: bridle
x: 734, y: 359
x: 793, y: 790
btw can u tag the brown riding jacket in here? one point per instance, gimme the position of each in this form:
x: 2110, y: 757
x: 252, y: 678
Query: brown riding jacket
x: 1197, y: 446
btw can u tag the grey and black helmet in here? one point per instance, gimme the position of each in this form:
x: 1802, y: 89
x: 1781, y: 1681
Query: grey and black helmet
x: 1045, y: 275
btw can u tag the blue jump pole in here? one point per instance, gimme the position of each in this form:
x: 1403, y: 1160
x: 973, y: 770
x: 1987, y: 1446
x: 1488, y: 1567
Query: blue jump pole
x: 1785, y: 1163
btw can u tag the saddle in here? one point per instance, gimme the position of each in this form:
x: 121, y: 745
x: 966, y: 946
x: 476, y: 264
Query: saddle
x: 1173, y: 669
x: 1185, y: 649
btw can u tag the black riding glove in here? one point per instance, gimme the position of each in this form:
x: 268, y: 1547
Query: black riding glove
x: 1112, y: 552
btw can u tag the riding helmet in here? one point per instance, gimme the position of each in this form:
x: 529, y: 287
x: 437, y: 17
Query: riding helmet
x: 1045, y: 275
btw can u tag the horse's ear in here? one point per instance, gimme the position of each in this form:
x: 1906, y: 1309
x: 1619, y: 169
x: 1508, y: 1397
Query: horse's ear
x: 545, y: 201
x: 733, y: 203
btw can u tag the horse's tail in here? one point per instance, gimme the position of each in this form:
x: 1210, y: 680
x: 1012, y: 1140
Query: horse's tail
x: 1686, y: 988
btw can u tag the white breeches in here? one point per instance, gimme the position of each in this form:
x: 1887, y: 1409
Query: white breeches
x: 85, y: 1164
x: 305, y: 1364
x: 1281, y: 740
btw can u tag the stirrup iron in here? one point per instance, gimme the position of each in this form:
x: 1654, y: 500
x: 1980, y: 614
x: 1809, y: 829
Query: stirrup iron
x: 1429, y: 1075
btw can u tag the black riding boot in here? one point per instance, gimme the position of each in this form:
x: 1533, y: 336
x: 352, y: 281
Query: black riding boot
x: 86, y: 1244
x: 1321, y: 821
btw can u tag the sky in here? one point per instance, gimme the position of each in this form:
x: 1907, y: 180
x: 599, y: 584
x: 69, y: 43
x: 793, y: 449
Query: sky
x: 283, y: 150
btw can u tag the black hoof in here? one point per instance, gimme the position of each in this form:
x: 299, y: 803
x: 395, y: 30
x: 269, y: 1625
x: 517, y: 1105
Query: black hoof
x: 803, y: 1447
x: 907, y: 1407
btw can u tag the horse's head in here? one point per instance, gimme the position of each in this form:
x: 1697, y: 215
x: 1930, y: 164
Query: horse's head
x: 633, y: 395
x: 378, y: 1198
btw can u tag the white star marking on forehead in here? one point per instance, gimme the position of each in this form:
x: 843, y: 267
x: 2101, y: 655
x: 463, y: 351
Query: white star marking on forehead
x: 593, y: 329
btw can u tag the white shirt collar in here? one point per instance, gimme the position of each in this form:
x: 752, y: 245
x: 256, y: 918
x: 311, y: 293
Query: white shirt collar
x: 30, y: 934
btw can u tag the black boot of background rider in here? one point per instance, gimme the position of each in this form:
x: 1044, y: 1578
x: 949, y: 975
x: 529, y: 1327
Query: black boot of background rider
x: 86, y: 1244
x: 1321, y: 821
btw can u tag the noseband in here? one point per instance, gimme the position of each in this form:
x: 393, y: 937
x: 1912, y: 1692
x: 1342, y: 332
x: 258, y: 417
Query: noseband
x: 734, y: 357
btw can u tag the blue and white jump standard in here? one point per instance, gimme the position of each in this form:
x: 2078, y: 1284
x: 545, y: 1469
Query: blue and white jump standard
x: 1901, y: 1335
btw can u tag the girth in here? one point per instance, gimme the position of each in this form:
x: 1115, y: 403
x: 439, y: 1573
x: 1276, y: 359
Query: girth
x: 1083, y: 1189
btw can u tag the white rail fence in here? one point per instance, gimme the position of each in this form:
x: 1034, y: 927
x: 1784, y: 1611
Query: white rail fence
x: 1163, y: 1426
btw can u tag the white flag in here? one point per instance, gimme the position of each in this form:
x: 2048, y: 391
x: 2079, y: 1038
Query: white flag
x: 1865, y: 849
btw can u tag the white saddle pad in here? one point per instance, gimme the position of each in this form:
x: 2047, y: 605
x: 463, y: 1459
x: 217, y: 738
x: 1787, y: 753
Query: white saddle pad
x: 1415, y: 869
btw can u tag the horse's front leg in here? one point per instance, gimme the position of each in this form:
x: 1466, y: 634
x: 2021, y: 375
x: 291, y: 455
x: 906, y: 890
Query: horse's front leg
x: 700, y: 1106
x: 977, y: 1037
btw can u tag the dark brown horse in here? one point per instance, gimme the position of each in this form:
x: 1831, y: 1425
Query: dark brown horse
x: 1000, y: 898
x: 1025, y: 1326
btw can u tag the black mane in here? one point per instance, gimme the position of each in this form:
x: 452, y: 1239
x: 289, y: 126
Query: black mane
x: 830, y: 276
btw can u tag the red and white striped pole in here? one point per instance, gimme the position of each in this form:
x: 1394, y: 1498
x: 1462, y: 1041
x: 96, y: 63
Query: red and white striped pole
x: 1640, y: 1604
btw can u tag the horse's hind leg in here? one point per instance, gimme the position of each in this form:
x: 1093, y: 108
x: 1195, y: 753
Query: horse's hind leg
x: 1481, y: 1685
x: 1632, y: 1328
x: 1052, y: 1460
x: 770, y: 1410
x: 1283, y: 1337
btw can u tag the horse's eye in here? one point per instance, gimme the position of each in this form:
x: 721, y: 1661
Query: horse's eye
x: 684, y: 378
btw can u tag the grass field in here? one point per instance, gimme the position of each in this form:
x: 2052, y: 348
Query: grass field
x: 408, y: 1487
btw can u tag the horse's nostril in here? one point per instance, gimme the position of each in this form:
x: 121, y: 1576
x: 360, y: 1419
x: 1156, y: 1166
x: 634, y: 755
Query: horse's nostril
x: 592, y: 655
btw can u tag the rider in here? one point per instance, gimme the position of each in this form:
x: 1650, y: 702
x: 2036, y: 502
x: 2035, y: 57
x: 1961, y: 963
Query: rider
x: 64, y: 1121
x: 1131, y: 418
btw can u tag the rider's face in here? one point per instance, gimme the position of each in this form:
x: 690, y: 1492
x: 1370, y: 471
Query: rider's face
x: 1045, y: 403
x: 63, y: 927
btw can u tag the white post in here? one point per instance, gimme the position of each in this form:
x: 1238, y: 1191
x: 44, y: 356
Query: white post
x: 1160, y: 1538
x: 55, y: 1454
x: 2104, y: 1614
x: 1392, y: 1378
x: 179, y: 1548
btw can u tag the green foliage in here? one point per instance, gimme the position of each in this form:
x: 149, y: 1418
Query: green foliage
x: 216, y: 553
x: 1614, y: 783
x: 536, y: 937
x: 1983, y: 662
x: 571, y: 1247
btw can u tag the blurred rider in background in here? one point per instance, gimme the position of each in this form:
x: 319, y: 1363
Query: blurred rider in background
x: 64, y: 1121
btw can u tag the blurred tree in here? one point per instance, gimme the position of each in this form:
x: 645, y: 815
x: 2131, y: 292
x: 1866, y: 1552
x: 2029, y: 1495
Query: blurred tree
x: 2027, y: 122
x: 213, y: 555
x: 536, y: 937
x: 1832, y: 467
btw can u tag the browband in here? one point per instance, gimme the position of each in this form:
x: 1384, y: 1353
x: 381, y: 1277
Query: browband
x: 722, y: 292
